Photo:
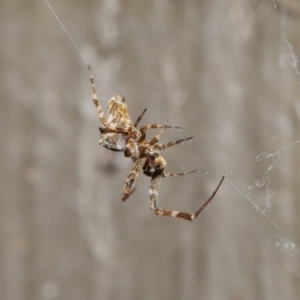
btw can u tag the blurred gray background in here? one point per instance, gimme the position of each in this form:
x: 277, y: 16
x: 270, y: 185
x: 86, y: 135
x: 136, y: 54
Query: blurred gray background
x: 227, y: 72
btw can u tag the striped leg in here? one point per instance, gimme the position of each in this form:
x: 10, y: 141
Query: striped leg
x: 131, y: 178
x: 95, y: 99
x: 157, y: 137
x: 157, y: 126
x: 151, y: 173
x: 170, y: 144
x: 116, y: 128
x: 153, y: 192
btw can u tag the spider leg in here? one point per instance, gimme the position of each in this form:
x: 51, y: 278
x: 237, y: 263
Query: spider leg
x: 139, y: 118
x: 172, y: 143
x: 127, y: 130
x: 131, y: 177
x: 153, y: 192
x: 151, y: 173
x: 156, y: 126
x: 157, y: 137
x: 95, y: 99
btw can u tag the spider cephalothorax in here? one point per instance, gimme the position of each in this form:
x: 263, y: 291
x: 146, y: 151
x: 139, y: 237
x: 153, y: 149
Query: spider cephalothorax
x: 119, y: 133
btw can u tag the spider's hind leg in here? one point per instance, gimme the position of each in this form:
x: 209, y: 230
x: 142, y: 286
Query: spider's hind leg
x: 153, y: 193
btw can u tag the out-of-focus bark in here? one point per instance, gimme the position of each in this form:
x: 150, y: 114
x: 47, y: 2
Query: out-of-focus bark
x: 226, y: 71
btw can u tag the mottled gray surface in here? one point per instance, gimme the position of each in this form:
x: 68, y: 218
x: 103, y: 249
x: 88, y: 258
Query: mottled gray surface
x: 223, y: 70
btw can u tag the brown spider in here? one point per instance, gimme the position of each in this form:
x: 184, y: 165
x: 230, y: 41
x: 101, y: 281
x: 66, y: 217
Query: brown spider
x: 119, y: 133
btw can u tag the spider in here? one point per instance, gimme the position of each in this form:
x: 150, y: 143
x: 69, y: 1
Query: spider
x: 119, y: 133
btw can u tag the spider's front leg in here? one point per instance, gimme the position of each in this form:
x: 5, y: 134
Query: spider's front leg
x: 131, y: 178
x: 96, y: 100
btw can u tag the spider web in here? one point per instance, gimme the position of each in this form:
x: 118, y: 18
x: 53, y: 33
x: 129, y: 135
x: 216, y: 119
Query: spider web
x: 264, y: 181
x: 290, y: 246
x: 286, y: 246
